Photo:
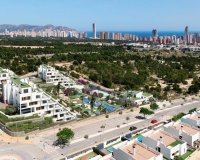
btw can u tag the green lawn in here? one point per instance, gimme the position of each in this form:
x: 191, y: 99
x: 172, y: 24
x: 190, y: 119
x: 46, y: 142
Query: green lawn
x: 175, y: 143
x: 187, y: 154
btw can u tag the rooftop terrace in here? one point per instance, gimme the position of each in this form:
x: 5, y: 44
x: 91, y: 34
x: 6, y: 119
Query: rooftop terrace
x: 166, y: 139
x: 18, y: 82
x: 140, y: 152
x: 188, y: 129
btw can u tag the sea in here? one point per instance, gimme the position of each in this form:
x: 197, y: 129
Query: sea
x: 144, y: 33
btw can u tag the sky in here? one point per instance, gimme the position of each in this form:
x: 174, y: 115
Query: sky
x: 109, y: 15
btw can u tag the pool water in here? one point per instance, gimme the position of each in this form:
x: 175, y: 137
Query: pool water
x: 139, y: 139
x: 110, y: 149
x: 97, y: 104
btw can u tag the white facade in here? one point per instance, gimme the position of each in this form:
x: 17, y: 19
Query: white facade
x: 51, y: 75
x: 29, y: 100
x: 4, y: 75
x: 192, y: 119
x: 184, y: 132
x: 165, y: 143
x: 135, y: 97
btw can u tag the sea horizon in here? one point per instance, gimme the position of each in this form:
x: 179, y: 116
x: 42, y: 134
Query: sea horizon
x: 145, y: 33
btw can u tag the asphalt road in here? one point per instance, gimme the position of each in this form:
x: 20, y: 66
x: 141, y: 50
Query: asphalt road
x: 42, y: 148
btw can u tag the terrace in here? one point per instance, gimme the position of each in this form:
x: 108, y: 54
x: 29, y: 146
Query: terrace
x: 18, y: 82
x: 166, y: 139
x: 137, y: 151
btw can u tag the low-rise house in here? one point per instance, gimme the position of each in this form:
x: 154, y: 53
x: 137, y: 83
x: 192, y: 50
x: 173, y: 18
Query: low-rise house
x: 192, y: 119
x: 135, y: 97
x: 164, y: 143
x: 29, y: 100
x: 51, y: 75
x: 134, y: 150
x: 185, y: 132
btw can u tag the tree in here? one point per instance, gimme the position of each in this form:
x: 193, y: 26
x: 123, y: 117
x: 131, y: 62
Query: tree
x: 154, y: 106
x: 145, y: 111
x: 92, y: 102
x: 58, y: 88
x: 65, y: 135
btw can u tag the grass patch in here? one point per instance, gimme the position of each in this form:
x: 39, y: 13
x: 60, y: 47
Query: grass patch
x: 187, y: 154
x: 29, y: 126
x: 175, y: 143
x: 4, y: 119
x: 178, y: 116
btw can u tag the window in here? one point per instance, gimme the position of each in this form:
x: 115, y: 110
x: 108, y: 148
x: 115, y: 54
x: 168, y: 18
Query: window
x: 44, y: 101
x: 26, y: 98
x: 32, y: 103
x: 25, y: 90
x: 37, y: 96
x: 4, y: 75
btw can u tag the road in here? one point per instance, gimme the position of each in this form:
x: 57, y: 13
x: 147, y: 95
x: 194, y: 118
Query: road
x: 42, y: 141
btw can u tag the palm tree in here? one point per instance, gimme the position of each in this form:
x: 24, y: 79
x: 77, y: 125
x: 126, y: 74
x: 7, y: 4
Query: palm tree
x: 58, y: 89
x: 82, y: 97
x: 92, y: 102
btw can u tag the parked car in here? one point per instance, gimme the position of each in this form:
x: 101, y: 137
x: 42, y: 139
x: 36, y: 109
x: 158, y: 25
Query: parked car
x: 153, y: 121
x: 132, y: 128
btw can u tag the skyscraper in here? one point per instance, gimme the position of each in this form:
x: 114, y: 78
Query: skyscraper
x: 186, y: 35
x: 154, y: 35
x: 94, y: 30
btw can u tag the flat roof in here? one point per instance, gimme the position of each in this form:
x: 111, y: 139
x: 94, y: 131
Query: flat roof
x: 166, y: 139
x: 195, y: 117
x: 186, y: 128
x: 18, y: 82
x: 2, y: 70
x: 141, y: 152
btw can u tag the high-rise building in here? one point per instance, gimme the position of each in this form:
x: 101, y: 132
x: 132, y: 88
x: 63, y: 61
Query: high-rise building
x: 94, y: 30
x: 107, y: 35
x: 101, y: 35
x: 186, y: 38
x: 154, y: 35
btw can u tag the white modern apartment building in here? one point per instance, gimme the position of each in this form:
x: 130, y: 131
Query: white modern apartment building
x: 135, y: 97
x: 29, y: 100
x: 192, y: 119
x: 51, y: 75
x: 133, y: 150
x: 185, y: 132
x: 4, y: 75
x: 164, y: 143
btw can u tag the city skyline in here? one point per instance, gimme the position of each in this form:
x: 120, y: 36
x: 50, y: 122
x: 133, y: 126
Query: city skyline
x: 125, y: 16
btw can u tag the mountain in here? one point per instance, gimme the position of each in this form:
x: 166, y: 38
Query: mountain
x: 27, y: 27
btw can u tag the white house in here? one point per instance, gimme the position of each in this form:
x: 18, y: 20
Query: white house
x: 51, y: 75
x: 165, y: 143
x: 29, y: 100
x: 134, y: 150
x: 184, y: 132
x: 192, y: 119
x: 135, y: 97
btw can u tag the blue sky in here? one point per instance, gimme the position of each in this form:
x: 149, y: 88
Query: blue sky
x: 109, y: 15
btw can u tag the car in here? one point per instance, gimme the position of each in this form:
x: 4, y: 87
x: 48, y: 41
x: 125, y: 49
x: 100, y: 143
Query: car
x: 132, y: 128
x: 153, y: 121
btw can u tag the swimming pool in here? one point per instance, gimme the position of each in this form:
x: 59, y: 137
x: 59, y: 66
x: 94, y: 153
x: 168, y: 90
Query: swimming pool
x: 110, y: 149
x: 97, y: 104
x: 139, y: 139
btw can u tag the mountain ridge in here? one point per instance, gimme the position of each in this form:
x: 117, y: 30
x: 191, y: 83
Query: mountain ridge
x: 28, y: 27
